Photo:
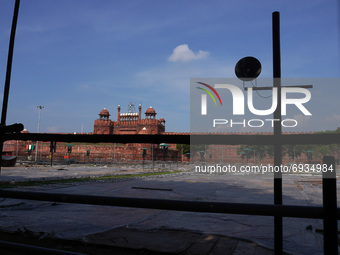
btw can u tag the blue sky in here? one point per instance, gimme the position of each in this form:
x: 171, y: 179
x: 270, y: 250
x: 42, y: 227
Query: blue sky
x: 77, y: 57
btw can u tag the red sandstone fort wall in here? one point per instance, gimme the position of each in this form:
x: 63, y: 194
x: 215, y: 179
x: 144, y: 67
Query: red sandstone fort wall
x: 132, y: 123
x: 123, y: 152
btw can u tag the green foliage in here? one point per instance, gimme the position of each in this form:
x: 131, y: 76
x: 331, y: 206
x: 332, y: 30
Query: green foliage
x: 320, y: 150
x: 195, y: 149
x: 260, y: 151
x: 192, y: 149
x: 293, y: 151
x: 183, y: 148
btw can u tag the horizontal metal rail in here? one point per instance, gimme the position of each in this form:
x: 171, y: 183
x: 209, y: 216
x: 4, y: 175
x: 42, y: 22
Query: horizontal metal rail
x: 223, y: 139
x: 92, y: 138
x: 312, y: 212
x: 271, y: 87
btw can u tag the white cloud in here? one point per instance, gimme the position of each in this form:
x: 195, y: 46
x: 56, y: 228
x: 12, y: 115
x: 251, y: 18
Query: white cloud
x: 334, y: 118
x: 52, y: 129
x: 83, y: 86
x: 304, y: 123
x: 182, y: 53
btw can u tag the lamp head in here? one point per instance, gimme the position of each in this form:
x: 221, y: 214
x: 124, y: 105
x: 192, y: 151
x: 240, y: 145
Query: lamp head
x: 248, y: 68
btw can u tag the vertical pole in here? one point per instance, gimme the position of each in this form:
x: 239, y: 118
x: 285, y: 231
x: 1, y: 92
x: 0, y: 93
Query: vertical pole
x: 9, y: 63
x: 330, y: 222
x: 51, y: 150
x: 36, y: 146
x: 152, y: 145
x: 53, y: 147
x: 278, y: 228
x: 8, y: 73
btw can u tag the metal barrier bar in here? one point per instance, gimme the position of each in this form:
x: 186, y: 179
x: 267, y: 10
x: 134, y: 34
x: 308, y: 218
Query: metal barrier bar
x: 225, y: 139
x: 312, y: 212
x: 270, y: 88
x: 330, y: 207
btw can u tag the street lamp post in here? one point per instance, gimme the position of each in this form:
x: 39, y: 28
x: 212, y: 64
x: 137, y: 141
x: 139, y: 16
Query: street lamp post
x: 309, y: 155
x: 242, y: 155
x: 144, y: 155
x: 247, y: 151
x: 164, y: 146
x: 202, y: 155
x: 36, y: 147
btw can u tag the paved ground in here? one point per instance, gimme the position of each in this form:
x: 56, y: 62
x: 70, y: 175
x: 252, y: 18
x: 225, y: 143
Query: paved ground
x: 165, y: 231
x: 31, y: 173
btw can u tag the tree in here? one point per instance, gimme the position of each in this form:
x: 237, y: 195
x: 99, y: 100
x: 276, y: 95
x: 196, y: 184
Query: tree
x: 196, y: 148
x: 320, y: 150
x: 183, y: 148
x: 294, y: 151
x: 259, y: 151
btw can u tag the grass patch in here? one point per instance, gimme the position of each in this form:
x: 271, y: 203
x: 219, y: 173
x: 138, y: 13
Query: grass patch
x: 79, y: 180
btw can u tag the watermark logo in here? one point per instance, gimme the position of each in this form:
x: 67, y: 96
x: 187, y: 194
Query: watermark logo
x: 204, y: 97
x: 238, y: 100
x: 294, y: 97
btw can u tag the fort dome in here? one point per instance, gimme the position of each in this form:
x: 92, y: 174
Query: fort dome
x: 150, y: 110
x: 104, y: 113
x: 130, y: 122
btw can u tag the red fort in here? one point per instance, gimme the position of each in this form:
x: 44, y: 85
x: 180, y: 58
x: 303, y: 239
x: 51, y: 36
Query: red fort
x: 129, y: 123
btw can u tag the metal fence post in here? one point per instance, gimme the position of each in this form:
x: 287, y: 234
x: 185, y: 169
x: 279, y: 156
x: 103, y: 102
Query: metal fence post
x: 278, y: 224
x: 330, y: 205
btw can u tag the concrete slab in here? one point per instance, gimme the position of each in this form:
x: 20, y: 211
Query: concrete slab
x: 202, y: 245
x: 169, y: 241
x: 245, y: 248
x: 225, y: 246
